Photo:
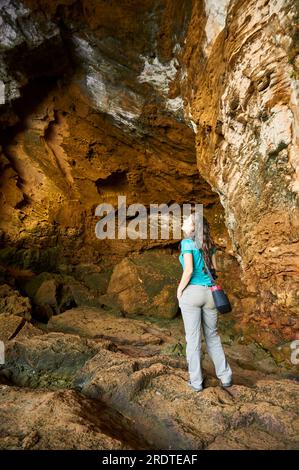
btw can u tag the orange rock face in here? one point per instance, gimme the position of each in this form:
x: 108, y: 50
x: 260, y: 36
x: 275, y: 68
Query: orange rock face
x: 245, y: 108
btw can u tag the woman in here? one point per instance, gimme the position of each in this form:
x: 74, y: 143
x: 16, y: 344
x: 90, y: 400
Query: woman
x: 197, y: 304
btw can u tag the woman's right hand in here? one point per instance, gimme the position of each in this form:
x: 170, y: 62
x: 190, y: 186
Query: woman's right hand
x: 179, y: 293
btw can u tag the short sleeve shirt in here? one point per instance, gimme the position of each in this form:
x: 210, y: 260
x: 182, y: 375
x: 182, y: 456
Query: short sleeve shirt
x: 199, y: 276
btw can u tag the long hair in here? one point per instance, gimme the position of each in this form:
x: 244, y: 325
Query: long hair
x: 202, y: 238
x: 207, y: 244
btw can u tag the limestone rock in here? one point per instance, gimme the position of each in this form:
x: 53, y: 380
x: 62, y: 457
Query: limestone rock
x: 29, y: 34
x: 55, y: 420
x: 97, y: 323
x: 9, y: 324
x: 248, y: 149
x: 53, y: 293
x: 153, y: 394
x: 12, y: 302
x: 46, y: 294
x: 146, y: 284
x: 12, y: 326
x: 39, y: 365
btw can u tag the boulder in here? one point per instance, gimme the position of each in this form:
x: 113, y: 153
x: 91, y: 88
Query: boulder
x: 54, y: 293
x: 13, y: 303
x: 12, y: 326
x: 95, y: 277
x: 8, y: 326
x: 100, y: 323
x: 46, y: 293
x: 146, y: 284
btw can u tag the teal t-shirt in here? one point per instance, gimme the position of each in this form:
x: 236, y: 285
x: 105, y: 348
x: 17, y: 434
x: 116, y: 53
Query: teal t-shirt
x: 198, y: 275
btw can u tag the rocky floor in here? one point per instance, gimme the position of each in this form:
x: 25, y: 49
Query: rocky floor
x: 94, y: 380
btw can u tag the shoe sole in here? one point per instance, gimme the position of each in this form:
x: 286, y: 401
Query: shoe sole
x: 226, y: 385
x: 195, y: 389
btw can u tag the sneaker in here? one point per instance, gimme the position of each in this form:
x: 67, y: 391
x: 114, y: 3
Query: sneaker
x: 226, y: 384
x: 196, y: 389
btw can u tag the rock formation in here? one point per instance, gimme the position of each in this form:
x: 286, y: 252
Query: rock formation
x: 247, y: 145
x: 164, y: 102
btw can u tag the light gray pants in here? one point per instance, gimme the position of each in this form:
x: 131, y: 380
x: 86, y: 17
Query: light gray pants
x: 198, y: 307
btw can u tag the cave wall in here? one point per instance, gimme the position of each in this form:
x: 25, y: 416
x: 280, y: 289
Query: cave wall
x: 244, y: 103
x: 105, y: 122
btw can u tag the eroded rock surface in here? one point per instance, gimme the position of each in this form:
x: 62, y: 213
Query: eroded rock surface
x: 11, y: 302
x: 130, y: 368
x: 56, y: 420
x: 146, y: 284
x: 248, y: 148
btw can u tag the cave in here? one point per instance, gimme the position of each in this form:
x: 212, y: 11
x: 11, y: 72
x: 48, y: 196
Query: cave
x: 163, y: 102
